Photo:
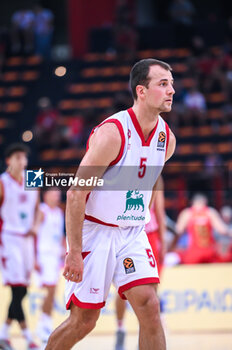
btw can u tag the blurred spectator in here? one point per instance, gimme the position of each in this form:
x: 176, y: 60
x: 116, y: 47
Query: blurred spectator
x: 43, y: 30
x: 195, y: 106
x: 22, y: 35
x: 181, y: 13
x: 198, y: 45
x: 213, y: 164
x: 125, y: 35
x: 206, y: 63
x: 46, y: 123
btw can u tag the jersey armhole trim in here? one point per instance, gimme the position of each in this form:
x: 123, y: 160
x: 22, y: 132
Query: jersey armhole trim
x: 168, y: 136
x: 123, y: 140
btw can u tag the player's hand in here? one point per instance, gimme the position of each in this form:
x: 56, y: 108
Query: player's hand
x: 31, y: 233
x: 73, y: 267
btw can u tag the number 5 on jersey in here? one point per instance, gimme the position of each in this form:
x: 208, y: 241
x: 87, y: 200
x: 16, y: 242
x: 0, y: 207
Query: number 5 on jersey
x: 151, y: 257
x: 142, y: 167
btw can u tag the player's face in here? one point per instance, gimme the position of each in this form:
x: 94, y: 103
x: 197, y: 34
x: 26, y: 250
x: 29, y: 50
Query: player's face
x: 53, y: 197
x: 160, y: 91
x: 17, y: 161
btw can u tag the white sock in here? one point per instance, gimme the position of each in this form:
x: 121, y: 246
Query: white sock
x: 27, y: 335
x: 4, y: 331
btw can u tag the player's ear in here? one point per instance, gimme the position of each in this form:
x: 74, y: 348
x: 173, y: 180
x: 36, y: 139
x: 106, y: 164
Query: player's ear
x: 140, y: 89
x: 7, y: 160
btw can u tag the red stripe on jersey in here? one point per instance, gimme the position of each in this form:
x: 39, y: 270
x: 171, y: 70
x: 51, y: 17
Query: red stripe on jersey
x: 82, y: 305
x: 84, y: 254
x: 120, y: 129
x: 168, y: 135
x: 145, y: 143
x: 142, y: 281
x: 97, y: 221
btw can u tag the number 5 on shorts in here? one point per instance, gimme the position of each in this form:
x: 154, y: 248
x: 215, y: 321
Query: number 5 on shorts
x: 150, y: 257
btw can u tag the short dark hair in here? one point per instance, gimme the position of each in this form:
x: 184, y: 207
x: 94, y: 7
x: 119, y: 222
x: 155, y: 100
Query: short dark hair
x: 139, y: 73
x: 16, y: 147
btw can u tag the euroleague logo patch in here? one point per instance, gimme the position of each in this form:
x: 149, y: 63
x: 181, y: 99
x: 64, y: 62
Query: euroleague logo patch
x: 161, y: 139
x: 129, y: 265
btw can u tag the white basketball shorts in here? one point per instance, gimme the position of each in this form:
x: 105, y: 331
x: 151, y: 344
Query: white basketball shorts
x: 17, y: 259
x: 111, y: 254
x: 49, y: 268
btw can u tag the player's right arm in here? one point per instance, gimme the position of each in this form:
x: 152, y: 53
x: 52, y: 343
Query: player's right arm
x: 104, y: 147
x: 181, y: 225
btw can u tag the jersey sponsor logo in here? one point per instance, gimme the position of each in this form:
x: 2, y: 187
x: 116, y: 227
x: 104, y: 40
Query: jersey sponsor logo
x: 34, y: 178
x: 129, y: 266
x: 134, y: 203
x: 161, y: 139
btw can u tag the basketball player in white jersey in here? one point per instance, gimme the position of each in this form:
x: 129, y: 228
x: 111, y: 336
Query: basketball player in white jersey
x: 105, y: 228
x: 50, y: 249
x: 155, y: 230
x: 18, y: 211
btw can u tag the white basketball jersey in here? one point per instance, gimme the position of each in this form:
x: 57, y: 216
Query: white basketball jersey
x: 18, y: 206
x: 125, y: 196
x: 51, y: 231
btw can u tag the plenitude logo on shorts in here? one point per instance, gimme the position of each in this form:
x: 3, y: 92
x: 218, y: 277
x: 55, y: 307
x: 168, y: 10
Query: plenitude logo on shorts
x: 134, y: 201
x: 40, y: 178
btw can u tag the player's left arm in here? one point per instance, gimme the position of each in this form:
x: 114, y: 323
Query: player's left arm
x: 217, y: 222
x: 159, y: 207
x: 171, y: 145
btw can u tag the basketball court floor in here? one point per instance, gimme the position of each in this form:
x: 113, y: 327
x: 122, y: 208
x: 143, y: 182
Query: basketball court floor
x: 210, y: 341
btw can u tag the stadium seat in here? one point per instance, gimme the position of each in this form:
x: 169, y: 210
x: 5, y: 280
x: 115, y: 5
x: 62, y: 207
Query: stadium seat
x: 30, y: 75
x: 15, y: 61
x: 206, y: 148
x: 205, y: 130
x: 16, y: 91
x: 33, y: 60
x: 11, y: 76
x: 49, y: 154
x: 186, y: 149
x: 224, y: 147
x: 12, y: 107
x: 186, y: 131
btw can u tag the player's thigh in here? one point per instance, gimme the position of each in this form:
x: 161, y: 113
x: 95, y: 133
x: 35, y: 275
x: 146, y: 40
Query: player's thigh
x: 83, y: 316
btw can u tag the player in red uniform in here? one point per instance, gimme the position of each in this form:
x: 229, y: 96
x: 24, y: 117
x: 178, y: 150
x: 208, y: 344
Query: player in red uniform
x: 199, y: 221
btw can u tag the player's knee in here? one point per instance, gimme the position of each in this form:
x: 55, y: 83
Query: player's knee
x: 150, y: 312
